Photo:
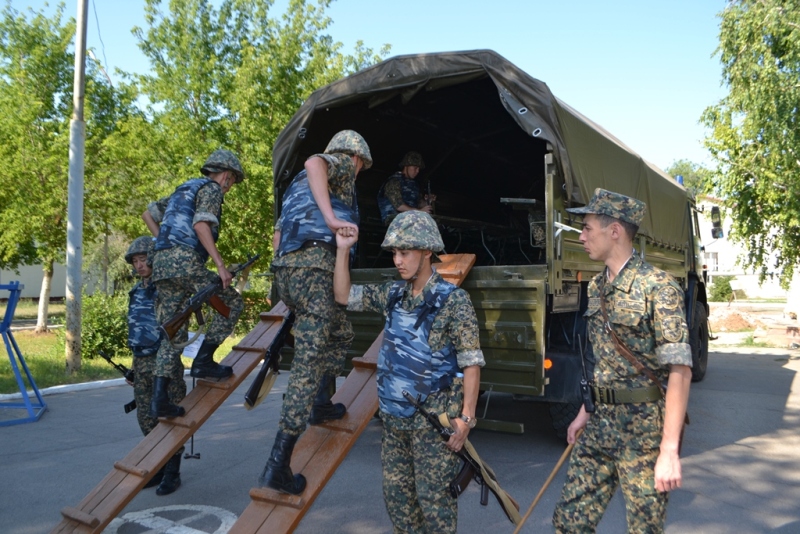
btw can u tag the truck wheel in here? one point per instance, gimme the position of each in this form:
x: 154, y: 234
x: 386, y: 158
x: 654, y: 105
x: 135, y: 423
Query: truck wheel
x: 562, y: 414
x: 698, y: 339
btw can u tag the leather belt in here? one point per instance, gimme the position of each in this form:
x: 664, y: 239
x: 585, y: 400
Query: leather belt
x: 627, y: 395
x: 315, y: 243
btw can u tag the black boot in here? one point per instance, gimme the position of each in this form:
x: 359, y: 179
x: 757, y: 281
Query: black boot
x: 277, y: 474
x: 172, y: 476
x: 156, y: 480
x: 323, y: 409
x: 204, y: 365
x: 161, y: 406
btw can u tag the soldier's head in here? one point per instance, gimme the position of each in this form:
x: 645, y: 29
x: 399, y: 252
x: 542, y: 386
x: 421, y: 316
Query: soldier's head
x: 411, y: 164
x: 223, y: 167
x: 414, y: 239
x: 609, y: 217
x: 351, y: 143
x: 139, y: 255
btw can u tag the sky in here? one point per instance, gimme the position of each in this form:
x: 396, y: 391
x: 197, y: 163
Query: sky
x: 643, y: 69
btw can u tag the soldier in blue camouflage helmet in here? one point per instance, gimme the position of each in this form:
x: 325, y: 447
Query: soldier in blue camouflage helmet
x: 144, y: 338
x: 400, y: 192
x: 186, y: 225
x: 320, y: 200
x: 430, y: 349
x: 632, y: 439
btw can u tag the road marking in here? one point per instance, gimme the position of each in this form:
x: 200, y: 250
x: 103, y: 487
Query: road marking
x: 176, y: 519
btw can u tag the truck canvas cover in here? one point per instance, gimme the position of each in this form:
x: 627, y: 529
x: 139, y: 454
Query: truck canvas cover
x: 587, y: 156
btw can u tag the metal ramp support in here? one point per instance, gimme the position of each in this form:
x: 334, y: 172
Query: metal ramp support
x: 33, y: 409
x: 130, y: 474
x: 322, y: 448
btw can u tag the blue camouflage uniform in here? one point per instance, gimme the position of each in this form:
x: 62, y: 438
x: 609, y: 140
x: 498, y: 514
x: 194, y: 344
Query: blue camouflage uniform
x: 396, y: 191
x: 144, y: 339
x: 432, y: 335
x: 303, y: 267
x: 179, y: 264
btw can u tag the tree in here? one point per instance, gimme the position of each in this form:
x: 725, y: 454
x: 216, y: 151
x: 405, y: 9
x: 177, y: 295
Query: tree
x: 232, y: 77
x: 696, y: 178
x: 754, y: 131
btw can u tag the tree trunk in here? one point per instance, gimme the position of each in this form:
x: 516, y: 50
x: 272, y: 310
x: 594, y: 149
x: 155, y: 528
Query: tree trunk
x: 44, y: 298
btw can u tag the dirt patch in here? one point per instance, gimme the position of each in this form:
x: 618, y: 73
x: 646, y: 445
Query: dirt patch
x: 732, y: 320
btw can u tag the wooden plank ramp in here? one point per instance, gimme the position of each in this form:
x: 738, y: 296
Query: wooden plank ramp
x: 131, y: 473
x: 322, y: 448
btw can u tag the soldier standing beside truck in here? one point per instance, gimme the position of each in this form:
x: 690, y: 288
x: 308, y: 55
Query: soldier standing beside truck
x: 633, y: 438
x: 430, y: 349
x: 144, y: 338
x: 320, y: 200
x: 186, y: 226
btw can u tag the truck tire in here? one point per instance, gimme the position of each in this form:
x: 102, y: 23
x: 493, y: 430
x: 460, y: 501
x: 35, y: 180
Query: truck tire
x: 562, y: 414
x: 698, y: 339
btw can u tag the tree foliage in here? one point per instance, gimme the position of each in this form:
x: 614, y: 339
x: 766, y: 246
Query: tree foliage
x: 696, y: 178
x: 754, y: 131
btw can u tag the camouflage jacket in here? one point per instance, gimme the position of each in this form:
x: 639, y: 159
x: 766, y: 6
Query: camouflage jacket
x: 396, y: 191
x: 179, y: 260
x: 646, y: 309
x: 341, y: 185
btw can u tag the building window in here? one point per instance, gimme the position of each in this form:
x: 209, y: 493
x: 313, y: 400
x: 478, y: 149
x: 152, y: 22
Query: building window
x: 711, y: 260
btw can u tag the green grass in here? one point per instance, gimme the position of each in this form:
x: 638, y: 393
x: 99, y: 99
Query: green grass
x: 750, y: 341
x: 44, y: 355
x: 28, y: 309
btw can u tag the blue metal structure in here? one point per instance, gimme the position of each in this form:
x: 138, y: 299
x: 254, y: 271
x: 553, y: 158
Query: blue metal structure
x: 34, y: 410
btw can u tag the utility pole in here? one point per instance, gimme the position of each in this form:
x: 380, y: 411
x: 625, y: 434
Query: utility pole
x: 77, y: 143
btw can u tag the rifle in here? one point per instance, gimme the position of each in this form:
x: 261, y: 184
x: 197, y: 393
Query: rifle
x: 129, y: 375
x: 208, y: 294
x: 261, y: 384
x: 473, y: 467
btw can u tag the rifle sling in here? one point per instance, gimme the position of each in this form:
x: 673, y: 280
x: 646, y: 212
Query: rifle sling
x: 627, y: 353
x: 509, y: 505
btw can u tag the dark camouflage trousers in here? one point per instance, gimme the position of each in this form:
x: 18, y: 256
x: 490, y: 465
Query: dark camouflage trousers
x: 592, y: 478
x: 417, y: 468
x: 322, y: 336
x: 145, y: 369
x: 173, y: 294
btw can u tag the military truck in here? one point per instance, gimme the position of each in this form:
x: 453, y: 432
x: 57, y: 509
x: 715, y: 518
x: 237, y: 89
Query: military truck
x: 504, y: 158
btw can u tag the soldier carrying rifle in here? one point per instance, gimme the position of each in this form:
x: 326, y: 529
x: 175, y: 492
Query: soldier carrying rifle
x: 431, y: 350
x: 186, y: 226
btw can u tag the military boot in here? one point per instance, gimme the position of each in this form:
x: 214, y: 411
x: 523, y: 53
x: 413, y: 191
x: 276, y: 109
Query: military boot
x: 204, y: 365
x: 160, y: 405
x: 172, y: 476
x: 156, y: 480
x: 323, y: 409
x: 277, y: 474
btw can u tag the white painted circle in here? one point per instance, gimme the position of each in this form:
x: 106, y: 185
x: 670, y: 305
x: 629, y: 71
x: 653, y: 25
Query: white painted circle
x: 158, y: 520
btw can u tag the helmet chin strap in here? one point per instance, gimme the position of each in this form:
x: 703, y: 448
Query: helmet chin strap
x: 419, y: 268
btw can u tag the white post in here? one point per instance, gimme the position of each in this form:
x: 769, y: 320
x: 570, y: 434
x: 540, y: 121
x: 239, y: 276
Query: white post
x: 77, y: 141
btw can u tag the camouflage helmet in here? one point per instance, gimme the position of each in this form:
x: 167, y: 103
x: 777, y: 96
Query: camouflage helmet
x: 351, y: 143
x: 413, y: 159
x: 413, y: 230
x: 223, y: 160
x: 140, y: 245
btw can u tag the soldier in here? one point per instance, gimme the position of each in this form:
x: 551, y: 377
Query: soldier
x: 186, y: 225
x: 401, y: 193
x: 632, y: 439
x: 431, y: 349
x: 320, y: 200
x: 144, y: 338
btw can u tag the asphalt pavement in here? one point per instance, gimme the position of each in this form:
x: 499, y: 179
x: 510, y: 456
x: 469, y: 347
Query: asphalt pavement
x: 741, y: 461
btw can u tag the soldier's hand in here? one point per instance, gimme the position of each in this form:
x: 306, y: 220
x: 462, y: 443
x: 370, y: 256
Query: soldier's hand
x: 458, y: 439
x: 346, y: 237
x: 225, y: 276
x: 426, y: 209
x: 334, y: 224
x: 668, y: 471
x: 577, y: 424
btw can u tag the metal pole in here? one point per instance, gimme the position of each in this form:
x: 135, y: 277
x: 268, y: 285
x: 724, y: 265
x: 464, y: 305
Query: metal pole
x: 77, y: 141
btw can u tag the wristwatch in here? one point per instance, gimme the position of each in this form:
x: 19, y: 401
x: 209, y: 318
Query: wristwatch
x: 471, y: 421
